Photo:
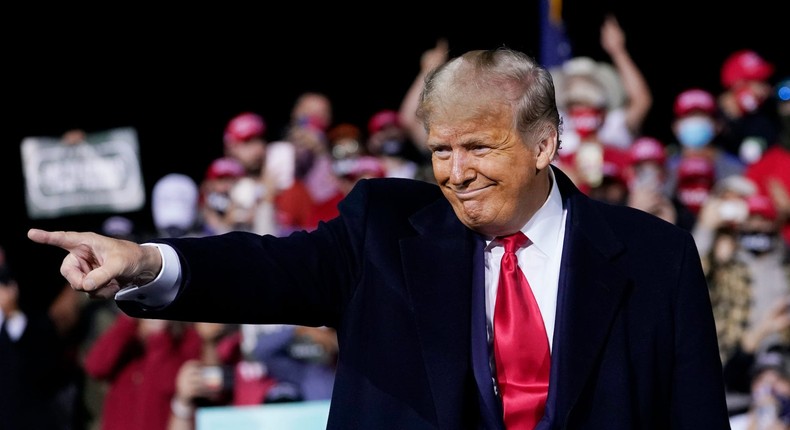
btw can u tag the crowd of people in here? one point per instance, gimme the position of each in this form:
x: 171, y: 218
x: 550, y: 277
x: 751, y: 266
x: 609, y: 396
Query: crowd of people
x: 724, y: 179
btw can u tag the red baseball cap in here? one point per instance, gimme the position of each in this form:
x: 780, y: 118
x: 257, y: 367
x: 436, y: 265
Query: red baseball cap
x: 224, y: 167
x: 244, y: 127
x: 357, y: 167
x: 381, y: 119
x: 694, y: 100
x: 760, y: 204
x: 614, y: 162
x: 745, y: 65
x: 696, y: 168
x: 646, y: 148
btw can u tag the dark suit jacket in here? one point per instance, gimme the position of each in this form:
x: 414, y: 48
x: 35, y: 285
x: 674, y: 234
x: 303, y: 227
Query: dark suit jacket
x: 402, y: 281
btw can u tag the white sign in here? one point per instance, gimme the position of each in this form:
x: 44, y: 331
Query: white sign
x: 100, y: 174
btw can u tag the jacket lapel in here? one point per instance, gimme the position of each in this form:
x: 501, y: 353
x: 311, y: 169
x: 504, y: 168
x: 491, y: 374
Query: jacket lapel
x: 591, y: 288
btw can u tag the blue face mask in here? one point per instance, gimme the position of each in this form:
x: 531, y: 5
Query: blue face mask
x: 695, y: 132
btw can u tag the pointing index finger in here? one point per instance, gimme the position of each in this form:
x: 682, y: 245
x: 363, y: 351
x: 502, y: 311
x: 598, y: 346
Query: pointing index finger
x: 61, y: 239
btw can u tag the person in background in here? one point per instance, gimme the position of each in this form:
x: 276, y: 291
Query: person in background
x: 638, y: 97
x: 310, y: 120
x: 749, y: 122
x: 140, y: 359
x: 749, y: 280
x: 739, y: 369
x: 244, y: 140
x: 722, y: 210
x: 301, y: 359
x: 407, y: 111
x: 695, y: 178
x: 619, y: 332
x: 251, y: 198
x: 29, y: 363
x: 389, y: 141
x: 646, y: 176
x: 268, y: 198
x: 174, y: 206
x: 696, y: 127
x: 313, y: 108
x: 315, y: 169
x: 215, y: 378
x: 346, y: 141
x: 613, y: 184
x: 771, y: 172
x: 602, y: 103
x: 769, y: 402
x: 215, y: 203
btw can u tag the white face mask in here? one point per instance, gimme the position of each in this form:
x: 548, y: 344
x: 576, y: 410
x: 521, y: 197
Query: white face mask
x: 695, y: 132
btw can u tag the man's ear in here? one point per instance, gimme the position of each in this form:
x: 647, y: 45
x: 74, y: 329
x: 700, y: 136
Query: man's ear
x: 547, y: 148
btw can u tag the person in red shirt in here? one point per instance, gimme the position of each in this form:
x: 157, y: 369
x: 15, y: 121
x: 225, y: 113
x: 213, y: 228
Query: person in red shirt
x: 140, y: 359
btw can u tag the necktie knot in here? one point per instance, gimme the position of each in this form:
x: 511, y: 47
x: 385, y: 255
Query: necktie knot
x: 513, y: 242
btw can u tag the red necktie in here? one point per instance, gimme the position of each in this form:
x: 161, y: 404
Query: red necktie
x: 521, y: 348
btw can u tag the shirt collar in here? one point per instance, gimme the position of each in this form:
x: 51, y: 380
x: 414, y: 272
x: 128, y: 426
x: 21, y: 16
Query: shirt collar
x: 545, y: 227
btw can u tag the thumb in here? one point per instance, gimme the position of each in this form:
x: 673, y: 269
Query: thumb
x: 101, y: 277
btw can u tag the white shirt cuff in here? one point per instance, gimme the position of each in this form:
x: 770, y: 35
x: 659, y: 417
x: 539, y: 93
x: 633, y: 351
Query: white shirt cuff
x: 163, y: 289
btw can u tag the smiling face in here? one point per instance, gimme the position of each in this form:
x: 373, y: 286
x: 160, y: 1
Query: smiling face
x: 493, y: 129
x: 494, y: 180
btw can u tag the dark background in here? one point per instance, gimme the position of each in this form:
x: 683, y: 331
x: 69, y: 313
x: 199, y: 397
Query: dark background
x: 178, y: 76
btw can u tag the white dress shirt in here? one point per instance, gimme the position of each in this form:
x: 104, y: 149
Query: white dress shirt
x: 539, y: 260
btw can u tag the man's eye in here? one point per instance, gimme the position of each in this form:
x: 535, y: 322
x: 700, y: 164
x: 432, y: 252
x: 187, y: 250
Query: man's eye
x: 441, y: 152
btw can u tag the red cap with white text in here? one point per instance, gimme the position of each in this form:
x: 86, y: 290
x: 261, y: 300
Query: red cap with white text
x: 382, y: 119
x: 224, y: 167
x: 244, y: 127
x: 646, y: 148
x: 694, y: 100
x: 760, y: 204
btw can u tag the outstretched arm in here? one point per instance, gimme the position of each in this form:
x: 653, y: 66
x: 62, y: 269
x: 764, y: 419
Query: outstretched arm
x: 101, y: 265
x: 639, y: 99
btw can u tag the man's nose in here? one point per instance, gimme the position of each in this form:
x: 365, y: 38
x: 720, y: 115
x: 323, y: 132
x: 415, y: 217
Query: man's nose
x: 461, y: 167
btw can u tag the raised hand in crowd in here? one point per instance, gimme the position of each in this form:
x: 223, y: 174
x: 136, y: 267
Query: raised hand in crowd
x: 430, y: 59
x: 639, y: 98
